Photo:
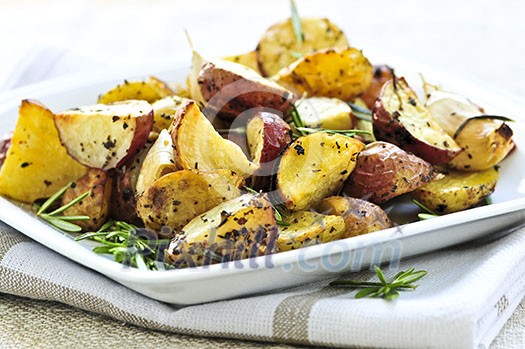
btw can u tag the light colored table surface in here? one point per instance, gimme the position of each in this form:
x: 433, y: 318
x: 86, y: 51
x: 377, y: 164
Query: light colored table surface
x: 475, y: 40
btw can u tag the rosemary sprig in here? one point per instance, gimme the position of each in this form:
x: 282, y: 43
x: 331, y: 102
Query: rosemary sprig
x: 297, y: 120
x: 402, y: 281
x: 55, y: 218
x: 349, y: 133
x: 360, y: 112
x: 427, y: 214
x: 127, y: 246
x: 278, y: 210
x: 296, y: 23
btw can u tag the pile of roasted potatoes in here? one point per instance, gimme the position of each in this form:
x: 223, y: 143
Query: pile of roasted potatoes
x: 296, y: 143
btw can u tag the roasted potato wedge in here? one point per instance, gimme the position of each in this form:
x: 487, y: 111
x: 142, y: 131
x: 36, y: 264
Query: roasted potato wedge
x: 36, y: 163
x: 267, y: 136
x: 360, y: 216
x: 278, y: 47
x: 309, y: 228
x: 400, y: 118
x: 240, y: 228
x: 484, y: 139
x: 149, y: 90
x: 248, y: 59
x: 164, y: 111
x: 382, y: 74
x: 230, y: 89
x: 158, y: 162
x: 124, y: 196
x: 198, y: 146
x: 456, y: 190
x: 384, y: 171
x: 176, y: 198
x: 343, y: 73
x: 96, y: 205
x: 105, y: 136
x: 327, y: 113
x: 314, y: 167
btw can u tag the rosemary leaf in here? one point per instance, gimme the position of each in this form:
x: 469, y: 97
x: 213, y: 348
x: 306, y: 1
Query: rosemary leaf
x: 296, y: 23
x: 61, y: 224
x: 68, y: 205
x: 52, y: 199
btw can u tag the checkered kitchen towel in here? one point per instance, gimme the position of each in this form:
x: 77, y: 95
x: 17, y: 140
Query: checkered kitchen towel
x: 469, y: 293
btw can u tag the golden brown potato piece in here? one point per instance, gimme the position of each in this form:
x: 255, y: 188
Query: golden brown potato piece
x: 164, y: 111
x: 198, y: 146
x: 314, y: 167
x: 248, y: 59
x: 485, y: 140
x: 400, y: 118
x: 159, y: 161
x: 456, y: 190
x: 327, y: 113
x: 240, y: 228
x: 343, y: 73
x: 105, y: 136
x: 384, y: 171
x: 149, y: 90
x: 309, y: 228
x: 95, y: 205
x: 382, y: 74
x: 36, y: 164
x: 360, y: 216
x: 230, y: 89
x: 278, y: 47
x: 176, y: 198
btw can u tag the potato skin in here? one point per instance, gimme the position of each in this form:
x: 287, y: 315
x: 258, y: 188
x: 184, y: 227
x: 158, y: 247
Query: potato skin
x: 384, y: 171
x: 230, y: 89
x: 96, y: 204
x: 175, y: 199
x: 392, y: 120
x: 267, y: 136
x: 382, y: 74
x: 5, y: 143
x: 456, y: 190
x: 360, y: 216
x: 309, y: 228
x: 314, y: 167
x: 241, y: 228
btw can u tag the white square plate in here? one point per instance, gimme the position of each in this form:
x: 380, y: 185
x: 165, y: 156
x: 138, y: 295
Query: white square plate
x: 227, y: 280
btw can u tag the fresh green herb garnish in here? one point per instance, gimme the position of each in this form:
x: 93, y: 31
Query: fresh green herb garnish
x: 360, y: 112
x: 297, y: 121
x: 127, y: 246
x: 402, y: 281
x: 296, y: 55
x: 296, y: 23
x: 349, y: 133
x: 278, y: 210
x: 55, y: 218
x: 428, y: 214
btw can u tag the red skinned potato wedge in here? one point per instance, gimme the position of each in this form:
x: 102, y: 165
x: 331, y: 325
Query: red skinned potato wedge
x: 36, y: 163
x: 176, y: 198
x: 267, y: 136
x: 401, y: 119
x: 236, y: 229
x: 96, y: 205
x: 105, y: 136
x: 149, y: 90
x: 278, y: 47
x: 230, y: 88
x: 384, y: 171
x: 382, y: 74
x: 343, y: 73
x: 314, y: 167
x: 307, y: 228
x: 124, y: 196
x: 198, y: 146
x: 360, y: 216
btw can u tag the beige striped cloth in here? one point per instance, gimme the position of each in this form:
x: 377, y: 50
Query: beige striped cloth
x: 316, y: 314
